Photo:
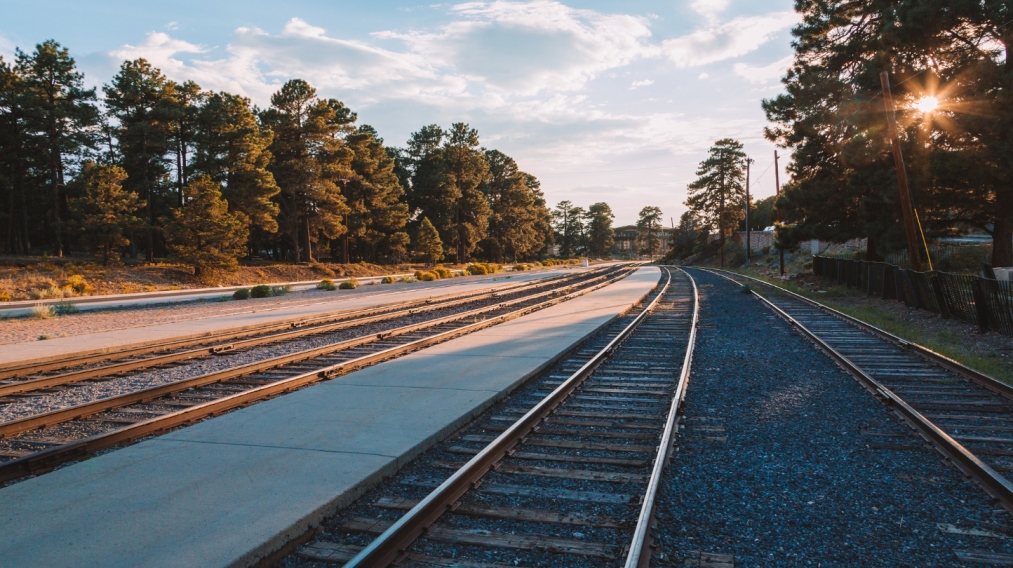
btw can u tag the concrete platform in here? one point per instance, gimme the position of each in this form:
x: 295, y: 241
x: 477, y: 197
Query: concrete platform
x: 342, y: 300
x: 227, y: 491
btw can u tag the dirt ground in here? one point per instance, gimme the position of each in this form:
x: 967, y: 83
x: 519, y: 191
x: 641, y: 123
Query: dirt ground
x: 34, y: 278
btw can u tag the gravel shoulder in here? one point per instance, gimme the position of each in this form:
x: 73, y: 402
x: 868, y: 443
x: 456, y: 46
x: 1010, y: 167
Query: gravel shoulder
x: 786, y: 460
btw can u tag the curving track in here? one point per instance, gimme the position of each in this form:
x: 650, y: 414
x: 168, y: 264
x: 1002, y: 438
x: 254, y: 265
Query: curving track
x: 36, y: 443
x: 578, y: 451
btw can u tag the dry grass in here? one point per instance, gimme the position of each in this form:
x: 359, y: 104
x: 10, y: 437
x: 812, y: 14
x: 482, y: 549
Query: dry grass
x: 37, y: 278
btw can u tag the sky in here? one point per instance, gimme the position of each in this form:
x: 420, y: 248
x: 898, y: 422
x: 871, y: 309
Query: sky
x: 602, y: 101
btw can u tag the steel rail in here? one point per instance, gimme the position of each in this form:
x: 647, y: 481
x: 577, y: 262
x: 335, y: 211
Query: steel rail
x: 393, y: 543
x: 49, y: 458
x: 641, y: 550
x: 994, y: 483
x: 260, y: 339
x: 979, y: 378
x: 18, y: 369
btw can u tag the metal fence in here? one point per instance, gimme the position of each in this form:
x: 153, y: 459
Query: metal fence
x: 980, y: 301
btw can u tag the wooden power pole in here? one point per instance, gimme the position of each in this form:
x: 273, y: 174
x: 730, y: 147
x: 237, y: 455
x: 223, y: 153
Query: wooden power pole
x: 748, y: 250
x: 905, y: 191
x: 777, y: 193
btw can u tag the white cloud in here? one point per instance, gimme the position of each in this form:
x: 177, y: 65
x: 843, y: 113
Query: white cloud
x: 703, y: 76
x: 172, y: 26
x: 644, y: 83
x: 709, y: 9
x: 766, y: 73
x: 6, y: 49
x: 526, y: 47
x: 731, y: 39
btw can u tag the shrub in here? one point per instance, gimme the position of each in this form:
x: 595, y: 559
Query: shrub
x: 77, y: 283
x: 65, y: 309
x: 5, y: 296
x: 745, y: 289
x: 442, y: 272
x: 408, y: 279
x: 349, y: 284
x: 765, y: 250
x: 280, y: 290
x: 241, y: 294
x: 260, y: 291
x: 427, y: 277
x: 477, y: 269
x: 418, y: 274
x: 387, y: 280
x: 326, y: 284
x: 520, y: 268
x: 42, y: 312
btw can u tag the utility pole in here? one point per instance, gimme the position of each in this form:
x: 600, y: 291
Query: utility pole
x: 748, y: 249
x: 905, y: 191
x: 777, y: 193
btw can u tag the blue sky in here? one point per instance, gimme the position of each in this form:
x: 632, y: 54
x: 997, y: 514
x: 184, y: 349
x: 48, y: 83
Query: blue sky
x: 602, y: 101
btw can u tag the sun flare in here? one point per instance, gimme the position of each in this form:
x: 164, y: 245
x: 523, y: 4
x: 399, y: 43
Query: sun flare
x: 927, y: 104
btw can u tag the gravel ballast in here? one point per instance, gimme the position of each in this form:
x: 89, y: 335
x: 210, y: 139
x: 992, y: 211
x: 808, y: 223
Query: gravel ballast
x: 810, y: 469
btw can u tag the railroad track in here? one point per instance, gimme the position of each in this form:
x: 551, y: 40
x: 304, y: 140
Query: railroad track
x: 36, y: 443
x: 964, y: 414
x: 577, y: 452
x: 21, y: 377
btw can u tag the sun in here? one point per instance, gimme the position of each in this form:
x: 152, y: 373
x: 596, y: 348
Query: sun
x: 927, y: 104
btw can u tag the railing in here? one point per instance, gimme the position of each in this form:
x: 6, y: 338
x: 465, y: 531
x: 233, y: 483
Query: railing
x: 984, y: 302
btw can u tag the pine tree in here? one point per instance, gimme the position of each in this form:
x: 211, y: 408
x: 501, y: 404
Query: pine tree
x: 648, y: 226
x: 139, y: 98
x: 232, y: 149
x: 599, y: 229
x: 310, y: 159
x: 719, y: 192
x: 62, y: 113
x: 183, y: 104
x: 514, y: 219
x: 374, y: 195
x: 569, y: 224
x: 105, y: 212
x: 465, y: 168
x: 203, y: 233
x: 15, y: 154
x: 428, y: 244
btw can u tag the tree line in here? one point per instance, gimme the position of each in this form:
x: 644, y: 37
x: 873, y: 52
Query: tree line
x: 158, y: 167
x: 936, y: 52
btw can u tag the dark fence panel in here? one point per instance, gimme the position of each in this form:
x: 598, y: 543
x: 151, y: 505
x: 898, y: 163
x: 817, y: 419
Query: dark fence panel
x: 983, y: 302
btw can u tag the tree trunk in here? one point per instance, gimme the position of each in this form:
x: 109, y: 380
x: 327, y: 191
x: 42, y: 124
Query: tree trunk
x: 149, y: 255
x: 721, y: 243
x: 1002, y: 243
x: 871, y: 253
x: 309, y: 244
x: 55, y: 181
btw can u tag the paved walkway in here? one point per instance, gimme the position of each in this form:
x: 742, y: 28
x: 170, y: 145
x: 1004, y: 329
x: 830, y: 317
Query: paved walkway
x: 362, y: 298
x: 227, y: 491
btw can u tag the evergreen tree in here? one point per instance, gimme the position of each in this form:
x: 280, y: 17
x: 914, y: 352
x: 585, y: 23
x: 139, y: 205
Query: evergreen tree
x: 465, y: 168
x: 203, y: 233
x: 719, y: 192
x: 648, y: 227
x: 374, y: 195
x: 105, y: 212
x: 600, y: 237
x: 183, y: 104
x: 138, y: 98
x: 310, y: 159
x: 569, y: 225
x: 61, y: 114
x: 15, y: 154
x: 232, y: 149
x: 428, y: 244
x: 515, y: 211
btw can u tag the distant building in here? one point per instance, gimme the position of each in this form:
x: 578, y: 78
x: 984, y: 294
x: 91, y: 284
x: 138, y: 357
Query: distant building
x: 626, y: 245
